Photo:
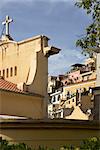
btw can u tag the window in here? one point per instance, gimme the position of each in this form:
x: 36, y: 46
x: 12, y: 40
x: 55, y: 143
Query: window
x: 7, y: 73
x: 3, y: 73
x: 68, y: 95
x: 84, y: 89
x: 90, y: 90
x: 53, y: 99
x: 0, y: 72
x: 53, y: 105
x: 73, y: 100
x: 58, y: 97
x: 11, y: 71
x: 87, y: 77
x: 15, y: 70
x: 82, y: 78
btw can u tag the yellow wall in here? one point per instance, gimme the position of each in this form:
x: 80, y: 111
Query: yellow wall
x: 49, y: 133
x: 30, y: 57
x: 77, y: 86
x: 21, y: 105
x: 24, y: 55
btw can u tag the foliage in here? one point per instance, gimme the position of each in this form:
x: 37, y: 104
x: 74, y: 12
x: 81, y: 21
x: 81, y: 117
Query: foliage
x: 91, y: 144
x: 91, y: 41
x: 87, y: 144
x: 4, y: 145
x: 68, y: 147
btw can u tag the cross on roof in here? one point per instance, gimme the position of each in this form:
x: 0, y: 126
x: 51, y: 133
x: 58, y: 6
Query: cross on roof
x: 7, y: 22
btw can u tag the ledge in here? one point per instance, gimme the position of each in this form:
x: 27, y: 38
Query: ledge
x: 49, y: 124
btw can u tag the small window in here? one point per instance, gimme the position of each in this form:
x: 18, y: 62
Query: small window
x: 87, y: 77
x: 53, y: 105
x: 7, y: 73
x: 68, y: 94
x: 53, y: 99
x: 11, y: 71
x: 69, y: 102
x: 58, y: 97
x: 15, y: 71
x: 73, y: 100
x: 0, y: 72
x: 3, y: 73
x: 84, y: 89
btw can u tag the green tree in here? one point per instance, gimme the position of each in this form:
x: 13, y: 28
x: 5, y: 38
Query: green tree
x: 91, y: 41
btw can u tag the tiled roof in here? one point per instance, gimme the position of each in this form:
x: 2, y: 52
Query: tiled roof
x: 9, y: 86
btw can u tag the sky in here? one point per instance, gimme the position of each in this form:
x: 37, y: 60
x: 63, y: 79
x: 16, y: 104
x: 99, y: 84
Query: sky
x: 59, y: 20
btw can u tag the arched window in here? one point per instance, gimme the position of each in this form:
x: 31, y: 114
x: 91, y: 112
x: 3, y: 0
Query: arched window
x: 7, y: 73
x: 15, y: 71
x: 11, y: 71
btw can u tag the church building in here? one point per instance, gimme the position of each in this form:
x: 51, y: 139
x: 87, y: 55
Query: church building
x: 24, y: 75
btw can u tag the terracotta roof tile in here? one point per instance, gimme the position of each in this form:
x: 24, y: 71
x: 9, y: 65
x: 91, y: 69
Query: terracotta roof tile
x: 9, y: 86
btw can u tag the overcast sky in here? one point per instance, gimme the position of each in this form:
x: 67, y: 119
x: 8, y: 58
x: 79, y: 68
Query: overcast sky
x: 60, y: 20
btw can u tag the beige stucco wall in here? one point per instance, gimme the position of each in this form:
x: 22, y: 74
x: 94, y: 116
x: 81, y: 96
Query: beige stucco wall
x: 41, y: 76
x: 98, y: 70
x: 52, y: 134
x: 28, y: 56
x: 19, y: 55
x: 21, y: 105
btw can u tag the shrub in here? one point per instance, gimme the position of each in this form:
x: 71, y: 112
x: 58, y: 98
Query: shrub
x: 91, y: 144
x: 4, y: 145
x: 87, y: 144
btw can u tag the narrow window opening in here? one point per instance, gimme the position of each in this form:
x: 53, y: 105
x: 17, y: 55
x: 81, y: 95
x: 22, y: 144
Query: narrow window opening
x: 3, y: 73
x: 15, y: 71
x: 11, y: 71
x: 7, y: 73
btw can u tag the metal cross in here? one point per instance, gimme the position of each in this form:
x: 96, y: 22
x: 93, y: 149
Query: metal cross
x: 7, y: 22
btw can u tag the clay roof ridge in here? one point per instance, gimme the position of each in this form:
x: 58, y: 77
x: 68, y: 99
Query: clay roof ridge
x: 7, y: 85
